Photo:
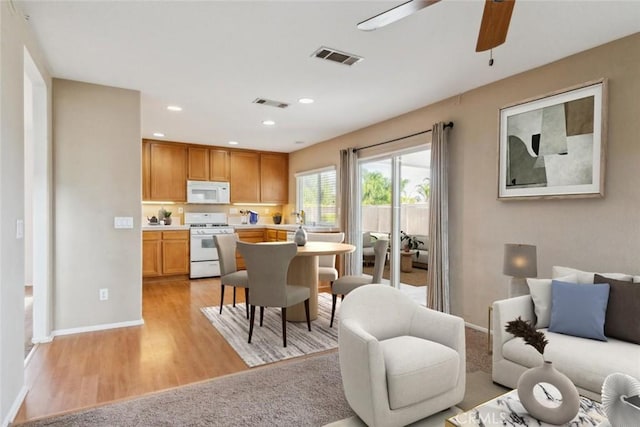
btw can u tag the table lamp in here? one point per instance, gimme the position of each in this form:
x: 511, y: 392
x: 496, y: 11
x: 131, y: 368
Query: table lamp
x: 520, y: 262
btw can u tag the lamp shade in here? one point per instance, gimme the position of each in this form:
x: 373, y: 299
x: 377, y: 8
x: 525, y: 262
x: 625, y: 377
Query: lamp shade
x: 520, y: 260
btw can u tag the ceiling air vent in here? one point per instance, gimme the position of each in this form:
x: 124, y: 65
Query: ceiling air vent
x: 337, y: 56
x: 270, y: 103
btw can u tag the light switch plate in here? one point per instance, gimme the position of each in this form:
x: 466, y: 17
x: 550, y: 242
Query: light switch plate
x: 123, y: 222
x: 20, y: 229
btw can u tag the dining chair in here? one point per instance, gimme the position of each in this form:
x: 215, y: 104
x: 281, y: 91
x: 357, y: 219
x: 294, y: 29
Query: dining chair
x: 327, y: 263
x: 267, y: 267
x: 229, y: 273
x: 345, y: 284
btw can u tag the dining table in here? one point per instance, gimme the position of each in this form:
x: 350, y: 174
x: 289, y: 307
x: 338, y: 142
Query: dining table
x: 303, y: 271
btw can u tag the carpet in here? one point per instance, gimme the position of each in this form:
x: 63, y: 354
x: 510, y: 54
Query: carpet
x: 306, y: 392
x: 266, y: 343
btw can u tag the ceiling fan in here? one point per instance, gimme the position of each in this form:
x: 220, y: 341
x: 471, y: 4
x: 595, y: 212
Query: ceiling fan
x: 493, y: 28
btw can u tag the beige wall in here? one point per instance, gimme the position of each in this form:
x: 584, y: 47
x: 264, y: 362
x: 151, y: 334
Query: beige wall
x: 15, y: 36
x: 595, y: 234
x: 97, y: 175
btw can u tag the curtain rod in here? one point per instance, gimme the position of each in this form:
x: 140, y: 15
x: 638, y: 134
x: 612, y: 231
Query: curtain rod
x: 447, y: 125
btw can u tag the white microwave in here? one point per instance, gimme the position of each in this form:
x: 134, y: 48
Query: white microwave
x: 211, y: 192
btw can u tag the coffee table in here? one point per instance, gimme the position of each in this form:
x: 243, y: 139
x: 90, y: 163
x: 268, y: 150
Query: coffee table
x: 507, y: 410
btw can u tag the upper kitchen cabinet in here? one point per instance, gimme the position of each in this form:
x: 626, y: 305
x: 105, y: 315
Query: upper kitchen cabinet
x: 198, y: 164
x: 245, y: 177
x: 219, y: 168
x: 274, y: 175
x: 168, y: 172
x: 146, y: 170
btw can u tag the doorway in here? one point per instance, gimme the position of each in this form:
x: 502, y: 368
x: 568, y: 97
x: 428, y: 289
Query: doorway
x: 37, y: 206
x: 395, y: 190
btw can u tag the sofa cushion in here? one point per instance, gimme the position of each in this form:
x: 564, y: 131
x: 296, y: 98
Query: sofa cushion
x: 578, y: 310
x: 417, y: 369
x: 586, y: 362
x: 540, y: 290
x: 622, y: 319
x: 586, y: 277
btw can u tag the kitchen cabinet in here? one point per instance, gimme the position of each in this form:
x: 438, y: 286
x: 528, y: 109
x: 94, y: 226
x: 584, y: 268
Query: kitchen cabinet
x: 168, y: 172
x: 219, y: 165
x: 276, y: 235
x: 165, y: 253
x: 151, y: 253
x: 274, y: 178
x: 198, y: 164
x: 146, y: 170
x: 245, y: 177
x: 252, y: 236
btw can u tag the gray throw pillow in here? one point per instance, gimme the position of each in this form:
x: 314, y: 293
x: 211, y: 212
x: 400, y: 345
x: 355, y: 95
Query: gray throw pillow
x: 622, y: 320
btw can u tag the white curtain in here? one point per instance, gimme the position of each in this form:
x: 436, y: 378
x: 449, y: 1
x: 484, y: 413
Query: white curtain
x: 348, y: 206
x: 438, y: 292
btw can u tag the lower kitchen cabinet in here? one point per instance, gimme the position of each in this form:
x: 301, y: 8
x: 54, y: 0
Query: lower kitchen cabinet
x: 165, y: 253
x: 251, y: 236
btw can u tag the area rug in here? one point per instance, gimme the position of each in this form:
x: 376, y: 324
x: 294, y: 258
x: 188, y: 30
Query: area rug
x: 305, y: 392
x: 266, y: 343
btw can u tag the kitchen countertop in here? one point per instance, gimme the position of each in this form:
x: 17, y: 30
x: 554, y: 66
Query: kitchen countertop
x: 147, y: 227
x: 286, y: 227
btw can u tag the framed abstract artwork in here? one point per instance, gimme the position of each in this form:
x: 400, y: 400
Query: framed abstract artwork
x: 553, y: 146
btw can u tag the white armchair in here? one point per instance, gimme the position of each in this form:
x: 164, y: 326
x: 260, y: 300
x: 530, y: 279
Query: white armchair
x: 400, y: 362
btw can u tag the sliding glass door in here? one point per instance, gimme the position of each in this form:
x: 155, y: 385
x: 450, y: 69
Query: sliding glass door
x: 394, y: 191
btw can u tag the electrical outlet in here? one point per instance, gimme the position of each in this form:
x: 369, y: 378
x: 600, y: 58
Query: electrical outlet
x: 180, y: 210
x: 104, y: 294
x: 267, y: 210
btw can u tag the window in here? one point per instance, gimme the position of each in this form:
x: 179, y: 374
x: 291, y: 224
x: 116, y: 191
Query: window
x: 317, y: 196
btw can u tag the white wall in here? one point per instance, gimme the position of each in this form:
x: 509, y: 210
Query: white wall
x: 15, y: 35
x: 97, y: 176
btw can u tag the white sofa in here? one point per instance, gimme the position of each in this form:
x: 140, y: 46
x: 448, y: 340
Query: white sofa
x: 586, y: 362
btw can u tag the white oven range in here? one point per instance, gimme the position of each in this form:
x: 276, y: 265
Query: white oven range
x: 204, y: 255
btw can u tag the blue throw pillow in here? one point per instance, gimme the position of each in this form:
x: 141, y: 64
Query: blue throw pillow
x: 579, y: 310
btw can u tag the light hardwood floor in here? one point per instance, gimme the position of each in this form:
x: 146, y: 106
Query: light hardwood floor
x: 177, y: 345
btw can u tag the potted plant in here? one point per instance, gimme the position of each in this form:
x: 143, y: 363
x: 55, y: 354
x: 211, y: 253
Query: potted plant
x: 277, y: 217
x: 165, y: 215
x: 410, y: 242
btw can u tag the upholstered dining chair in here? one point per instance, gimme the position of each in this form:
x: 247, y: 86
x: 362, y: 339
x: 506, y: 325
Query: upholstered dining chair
x: 267, y: 267
x: 399, y: 361
x: 327, y: 263
x: 345, y: 284
x: 229, y: 273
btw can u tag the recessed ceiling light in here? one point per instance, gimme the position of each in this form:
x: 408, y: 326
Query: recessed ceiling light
x: 305, y: 101
x: 233, y: 142
x: 268, y: 122
x: 158, y: 134
x: 299, y: 142
x: 174, y: 108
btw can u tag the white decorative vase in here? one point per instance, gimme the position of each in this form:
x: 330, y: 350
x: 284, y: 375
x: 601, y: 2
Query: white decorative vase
x: 569, y: 404
x: 300, y: 237
x: 616, y: 389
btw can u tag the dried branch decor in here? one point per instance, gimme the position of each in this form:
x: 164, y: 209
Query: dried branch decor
x: 526, y: 330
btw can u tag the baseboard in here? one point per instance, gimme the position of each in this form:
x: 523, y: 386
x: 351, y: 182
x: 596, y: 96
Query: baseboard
x: 43, y: 340
x: 94, y: 328
x: 15, y: 407
x: 476, y: 327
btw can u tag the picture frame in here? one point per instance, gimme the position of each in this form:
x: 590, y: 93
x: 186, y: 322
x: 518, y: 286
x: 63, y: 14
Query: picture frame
x: 553, y: 146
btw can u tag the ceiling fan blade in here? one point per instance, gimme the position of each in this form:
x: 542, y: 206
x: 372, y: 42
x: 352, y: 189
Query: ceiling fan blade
x: 395, y: 14
x: 495, y: 24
